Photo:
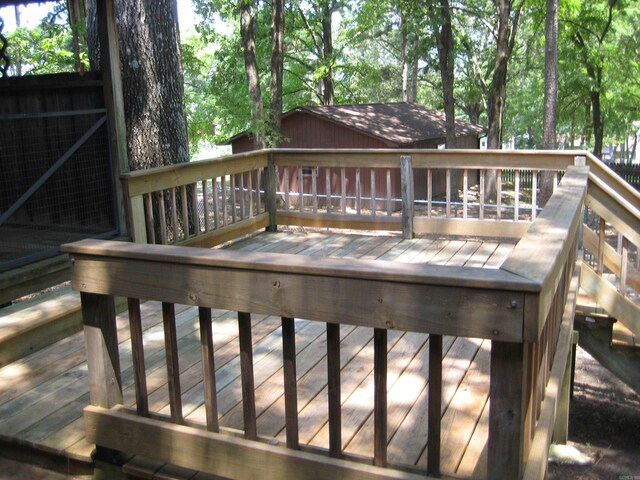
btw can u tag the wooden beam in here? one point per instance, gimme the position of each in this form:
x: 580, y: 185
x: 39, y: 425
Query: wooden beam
x: 290, y: 382
x: 101, y: 342
x: 334, y: 220
x: 459, y: 226
x: 220, y: 454
x: 333, y: 386
x: 407, y: 191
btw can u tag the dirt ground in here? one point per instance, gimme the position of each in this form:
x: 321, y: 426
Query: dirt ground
x: 604, y: 424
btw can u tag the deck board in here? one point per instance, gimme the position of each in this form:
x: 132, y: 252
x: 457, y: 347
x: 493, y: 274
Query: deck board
x: 42, y: 395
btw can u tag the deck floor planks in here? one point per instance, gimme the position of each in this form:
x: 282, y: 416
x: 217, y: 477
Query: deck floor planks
x: 465, y: 414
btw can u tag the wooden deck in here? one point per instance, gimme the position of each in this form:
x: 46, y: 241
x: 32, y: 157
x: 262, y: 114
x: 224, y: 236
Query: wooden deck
x: 42, y: 395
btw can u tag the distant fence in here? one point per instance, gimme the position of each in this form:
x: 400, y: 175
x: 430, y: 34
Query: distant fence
x: 630, y: 173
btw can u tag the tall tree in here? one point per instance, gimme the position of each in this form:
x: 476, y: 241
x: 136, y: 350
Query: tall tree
x: 446, y: 59
x: 277, y: 65
x: 550, y: 92
x: 152, y: 80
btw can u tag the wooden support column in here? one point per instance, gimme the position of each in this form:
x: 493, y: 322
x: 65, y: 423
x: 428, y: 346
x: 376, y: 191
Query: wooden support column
x: 209, y: 369
x: 380, y: 397
x: 435, y: 404
x: 561, y: 427
x: 246, y: 373
x: 333, y: 384
x: 114, y: 103
x: 137, y: 350
x: 270, y: 191
x: 101, y: 342
x: 406, y: 184
x: 290, y: 378
x: 509, y: 364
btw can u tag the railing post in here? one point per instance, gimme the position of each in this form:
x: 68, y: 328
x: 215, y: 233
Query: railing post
x: 101, y: 342
x: 406, y: 184
x: 507, y: 413
x: 270, y: 190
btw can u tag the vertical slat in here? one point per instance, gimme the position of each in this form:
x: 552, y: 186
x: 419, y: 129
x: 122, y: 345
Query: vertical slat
x: 601, y: 242
x: 209, y: 369
x: 358, y: 192
x: 435, y: 404
x: 216, y: 203
x: 243, y: 203
x: 137, y: 352
x: 534, y: 195
x: 148, y: 207
x: 196, y: 211
x: 465, y: 188
x: 448, y: 189
x: 259, y: 191
x: 185, y: 212
x: 333, y: 386
x: 173, y: 365
x: 507, y: 390
x: 343, y: 187
x: 516, y: 206
x: 290, y: 386
x: 205, y: 201
x: 373, y: 192
x: 101, y: 344
x: 174, y: 214
x: 406, y: 187
x: 138, y: 222
x: 555, y: 181
x: 328, y: 188
x: 623, y: 266
x: 223, y: 191
x: 246, y: 372
x: 250, y: 192
x: 301, y: 188
x: 380, y: 397
x: 287, y: 201
x: 429, y: 192
x: 271, y: 193
x: 481, y: 195
x: 234, y: 200
x: 389, y: 206
x: 314, y: 189
x: 162, y: 220
x: 499, y: 194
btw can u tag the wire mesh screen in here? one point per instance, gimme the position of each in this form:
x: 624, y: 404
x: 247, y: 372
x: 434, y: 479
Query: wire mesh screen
x: 55, y: 183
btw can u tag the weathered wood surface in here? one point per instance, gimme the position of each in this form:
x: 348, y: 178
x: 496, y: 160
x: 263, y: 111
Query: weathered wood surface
x: 407, y: 369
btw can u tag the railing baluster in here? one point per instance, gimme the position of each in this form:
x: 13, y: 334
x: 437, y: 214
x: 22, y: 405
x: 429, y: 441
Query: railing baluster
x: 205, y: 202
x: 333, y: 385
x: 162, y: 220
x: 290, y: 386
x: 358, y: 192
x: 137, y: 351
x: 435, y: 404
x: 173, y: 365
x: 555, y: 181
x: 301, y: 188
x: 534, y: 195
x: 234, y: 200
x: 481, y: 196
x: 314, y: 188
x: 216, y: 203
x: 250, y: 192
x: 429, y: 192
x: 148, y: 207
x: 601, y: 243
x: 209, y: 369
x: 185, y: 212
x: 243, y: 203
x: 623, y: 266
x: 373, y: 192
x: 465, y: 187
x: 223, y: 191
x: 287, y: 202
x: 196, y: 211
x: 389, y: 206
x: 380, y: 397
x: 516, y: 206
x: 246, y: 369
x: 174, y: 214
x: 259, y: 191
x: 343, y: 185
x: 499, y: 194
x: 448, y: 188
x: 328, y: 188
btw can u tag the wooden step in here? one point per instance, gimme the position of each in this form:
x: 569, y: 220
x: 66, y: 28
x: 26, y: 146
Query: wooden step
x: 25, y: 328
x: 622, y: 337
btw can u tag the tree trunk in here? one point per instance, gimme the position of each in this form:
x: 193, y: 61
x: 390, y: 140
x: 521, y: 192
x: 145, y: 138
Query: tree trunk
x: 409, y: 65
x: 446, y: 60
x: 328, y: 94
x: 248, y: 33
x: 550, y: 94
x: 598, y: 120
x: 277, y: 55
x: 152, y: 79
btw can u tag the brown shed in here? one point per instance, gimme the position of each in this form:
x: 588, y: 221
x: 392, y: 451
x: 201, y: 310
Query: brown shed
x: 375, y: 125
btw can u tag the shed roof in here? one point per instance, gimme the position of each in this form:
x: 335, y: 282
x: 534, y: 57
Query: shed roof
x: 400, y: 123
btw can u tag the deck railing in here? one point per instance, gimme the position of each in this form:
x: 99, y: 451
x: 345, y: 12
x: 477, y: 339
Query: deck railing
x: 524, y: 309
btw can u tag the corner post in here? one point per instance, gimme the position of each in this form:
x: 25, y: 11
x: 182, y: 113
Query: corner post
x: 271, y: 188
x: 101, y: 341
x: 406, y: 184
x: 507, y: 413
